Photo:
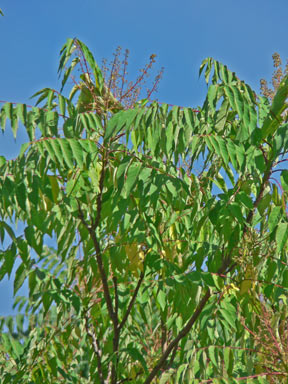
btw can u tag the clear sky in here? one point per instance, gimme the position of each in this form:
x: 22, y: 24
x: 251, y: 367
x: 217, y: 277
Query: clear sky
x: 242, y: 34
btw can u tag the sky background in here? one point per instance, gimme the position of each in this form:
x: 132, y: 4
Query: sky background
x: 241, y: 34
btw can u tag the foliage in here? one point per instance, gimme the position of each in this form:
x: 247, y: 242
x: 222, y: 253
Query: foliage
x: 169, y: 233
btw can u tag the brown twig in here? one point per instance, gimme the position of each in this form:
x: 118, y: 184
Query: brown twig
x: 125, y: 317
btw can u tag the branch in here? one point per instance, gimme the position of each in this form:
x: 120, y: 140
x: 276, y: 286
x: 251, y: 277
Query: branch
x: 99, y: 197
x: 116, y: 295
x: 131, y: 301
x: 117, y: 327
x: 163, y: 335
x: 169, y: 364
x: 101, y: 268
x: 96, y: 348
x: 103, y: 276
x: 112, y: 314
x: 116, y: 334
x: 266, y: 177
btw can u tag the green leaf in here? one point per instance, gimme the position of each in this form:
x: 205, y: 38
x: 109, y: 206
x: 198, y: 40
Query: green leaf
x: 76, y: 303
x: 47, y: 301
x: 281, y: 236
x: 118, y: 121
x: 53, y: 148
x: 20, y: 276
x: 21, y: 112
x: 228, y: 360
x: 131, y: 177
x: 166, y: 376
x: 212, y: 356
x: 161, y: 298
x: 244, y: 199
x: 212, y: 95
x: 2, y: 161
x: 54, y: 187
x: 235, y: 209
x: 229, y: 316
x: 91, y: 61
x: 9, y: 230
x: 264, y: 203
x: 273, y: 219
x: 17, y: 347
x: 9, y: 260
x: 66, y: 52
x: 115, y: 124
x: 284, y: 180
x: 77, y: 152
x: 24, y: 148
x: 67, y: 152
x: 52, y: 363
x: 62, y: 104
x: 285, y: 278
x: 21, y: 195
x: 33, y: 239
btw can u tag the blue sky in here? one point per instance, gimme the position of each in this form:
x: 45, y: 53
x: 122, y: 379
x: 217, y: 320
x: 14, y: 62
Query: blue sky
x: 242, y: 34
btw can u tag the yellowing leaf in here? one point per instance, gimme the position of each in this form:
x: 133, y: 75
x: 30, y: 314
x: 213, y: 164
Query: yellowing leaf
x: 247, y: 283
x: 135, y: 256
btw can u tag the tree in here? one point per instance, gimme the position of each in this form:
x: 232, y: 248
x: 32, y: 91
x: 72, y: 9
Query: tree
x: 170, y: 230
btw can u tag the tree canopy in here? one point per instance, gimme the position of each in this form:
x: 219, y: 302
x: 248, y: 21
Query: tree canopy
x: 154, y: 237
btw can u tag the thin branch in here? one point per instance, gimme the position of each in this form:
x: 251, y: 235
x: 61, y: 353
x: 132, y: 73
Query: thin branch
x: 279, y: 170
x: 112, y: 313
x: 116, y: 299
x: 173, y: 355
x: 108, y: 299
x: 116, y: 336
x: 140, y: 78
x: 115, y: 351
x: 91, y: 230
x: 124, y: 72
x: 280, y: 161
x: 109, y: 373
x: 132, y: 301
x: 266, y: 177
x: 163, y: 335
x: 156, y: 82
x: 96, y: 348
x: 99, y: 197
x: 103, y: 277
